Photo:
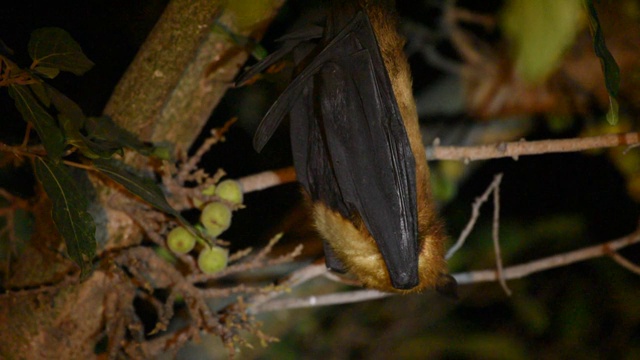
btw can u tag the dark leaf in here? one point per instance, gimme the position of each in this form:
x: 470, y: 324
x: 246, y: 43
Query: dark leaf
x: 104, y: 129
x: 42, y: 121
x: 48, y: 72
x: 147, y: 189
x: 74, y: 123
x: 41, y: 93
x: 55, y: 48
x: 99, y: 149
x: 69, y: 212
x: 71, y: 130
x: 66, y: 107
x: 609, y: 66
x: 88, y: 148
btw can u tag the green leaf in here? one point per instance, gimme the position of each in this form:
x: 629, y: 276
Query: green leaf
x: 42, y: 121
x: 88, y: 148
x: 69, y: 212
x: 74, y: 123
x: 54, y: 48
x: 41, y: 93
x: 609, y: 66
x: 104, y: 129
x: 612, y: 114
x: 539, y: 33
x: 145, y: 188
x: 47, y: 71
x: 66, y: 106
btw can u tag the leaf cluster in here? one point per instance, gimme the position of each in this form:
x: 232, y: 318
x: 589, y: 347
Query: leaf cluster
x: 69, y: 138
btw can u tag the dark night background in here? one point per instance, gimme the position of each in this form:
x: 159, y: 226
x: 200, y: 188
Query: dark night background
x: 550, y: 204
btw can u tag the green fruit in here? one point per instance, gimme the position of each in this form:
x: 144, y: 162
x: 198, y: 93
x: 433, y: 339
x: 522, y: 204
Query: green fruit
x: 230, y: 190
x: 211, y: 260
x: 209, y: 190
x: 216, y: 218
x: 198, y: 203
x: 180, y: 240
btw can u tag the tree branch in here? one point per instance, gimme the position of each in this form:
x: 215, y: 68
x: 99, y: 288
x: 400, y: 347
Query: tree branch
x: 509, y: 273
x: 267, y: 179
x: 514, y: 149
x: 184, y: 68
x: 518, y: 148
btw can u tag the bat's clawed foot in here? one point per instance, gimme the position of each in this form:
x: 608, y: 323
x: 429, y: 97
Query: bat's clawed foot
x: 447, y: 286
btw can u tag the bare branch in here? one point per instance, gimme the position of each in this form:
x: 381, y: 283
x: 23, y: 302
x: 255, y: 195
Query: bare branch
x: 522, y: 270
x: 625, y: 263
x: 496, y: 234
x: 518, y: 148
x: 475, y: 213
x: 267, y: 179
x: 322, y: 300
x: 511, y: 272
x: 259, y: 302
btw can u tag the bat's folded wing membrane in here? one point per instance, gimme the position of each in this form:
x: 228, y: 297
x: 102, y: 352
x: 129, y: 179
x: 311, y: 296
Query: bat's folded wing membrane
x: 358, y: 156
x: 374, y: 168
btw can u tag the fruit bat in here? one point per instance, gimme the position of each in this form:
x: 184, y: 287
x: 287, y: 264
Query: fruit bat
x: 357, y: 148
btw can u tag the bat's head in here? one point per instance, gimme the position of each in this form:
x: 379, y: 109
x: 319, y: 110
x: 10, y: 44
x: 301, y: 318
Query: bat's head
x: 358, y: 251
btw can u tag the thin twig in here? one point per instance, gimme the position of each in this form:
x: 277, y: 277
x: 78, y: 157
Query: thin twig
x: 296, y: 278
x: 622, y: 261
x: 475, y: 213
x: 495, y: 233
x: 519, y: 148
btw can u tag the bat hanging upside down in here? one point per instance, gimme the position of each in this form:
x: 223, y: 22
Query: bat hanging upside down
x: 357, y: 148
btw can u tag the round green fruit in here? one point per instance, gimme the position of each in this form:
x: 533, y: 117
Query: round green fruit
x: 216, y: 218
x: 230, y: 190
x: 211, y: 260
x: 180, y: 240
x: 209, y: 190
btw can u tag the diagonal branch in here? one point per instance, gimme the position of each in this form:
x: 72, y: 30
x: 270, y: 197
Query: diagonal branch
x: 509, y: 273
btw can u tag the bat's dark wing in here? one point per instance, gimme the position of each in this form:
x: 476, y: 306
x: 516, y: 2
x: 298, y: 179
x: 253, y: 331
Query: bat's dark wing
x: 350, y: 147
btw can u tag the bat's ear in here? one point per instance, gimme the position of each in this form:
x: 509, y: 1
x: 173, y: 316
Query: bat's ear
x: 448, y: 286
